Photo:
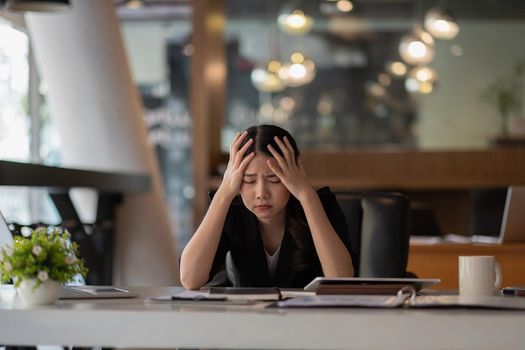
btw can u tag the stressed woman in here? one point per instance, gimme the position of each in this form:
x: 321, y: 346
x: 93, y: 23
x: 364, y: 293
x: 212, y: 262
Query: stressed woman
x: 278, y: 232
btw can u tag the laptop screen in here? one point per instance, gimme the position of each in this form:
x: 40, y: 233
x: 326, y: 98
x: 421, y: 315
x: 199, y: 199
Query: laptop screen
x: 6, y: 238
x: 513, y: 223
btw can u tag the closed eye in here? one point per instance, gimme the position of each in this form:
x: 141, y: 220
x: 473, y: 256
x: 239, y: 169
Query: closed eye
x: 248, y: 179
x: 273, y: 179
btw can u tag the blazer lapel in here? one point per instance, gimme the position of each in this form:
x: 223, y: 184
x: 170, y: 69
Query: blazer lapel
x: 284, y: 274
x: 251, y: 260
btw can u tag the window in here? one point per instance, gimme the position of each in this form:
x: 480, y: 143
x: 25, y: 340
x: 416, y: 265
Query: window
x: 24, y: 136
x: 15, y: 122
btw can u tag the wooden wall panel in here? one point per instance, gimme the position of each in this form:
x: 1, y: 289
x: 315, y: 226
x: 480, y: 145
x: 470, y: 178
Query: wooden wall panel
x: 207, y: 95
x: 419, y: 170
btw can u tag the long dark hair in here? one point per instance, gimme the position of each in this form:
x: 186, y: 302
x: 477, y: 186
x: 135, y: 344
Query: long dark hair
x: 304, y: 250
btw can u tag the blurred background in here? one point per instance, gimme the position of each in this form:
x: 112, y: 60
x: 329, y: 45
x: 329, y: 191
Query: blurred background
x: 346, y: 78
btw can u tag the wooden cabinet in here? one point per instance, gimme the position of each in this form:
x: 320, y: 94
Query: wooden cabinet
x: 441, y: 261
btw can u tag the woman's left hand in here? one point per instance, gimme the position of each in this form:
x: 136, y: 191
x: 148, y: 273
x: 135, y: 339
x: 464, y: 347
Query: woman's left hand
x: 289, y: 170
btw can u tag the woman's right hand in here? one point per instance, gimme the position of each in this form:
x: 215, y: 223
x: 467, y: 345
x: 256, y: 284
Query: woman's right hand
x: 231, y: 182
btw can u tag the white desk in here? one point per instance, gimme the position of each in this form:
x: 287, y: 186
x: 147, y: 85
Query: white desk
x: 133, y: 323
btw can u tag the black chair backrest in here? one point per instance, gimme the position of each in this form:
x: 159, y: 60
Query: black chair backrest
x: 379, y: 225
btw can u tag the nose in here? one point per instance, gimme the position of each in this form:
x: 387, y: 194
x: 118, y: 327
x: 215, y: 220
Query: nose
x: 261, y: 190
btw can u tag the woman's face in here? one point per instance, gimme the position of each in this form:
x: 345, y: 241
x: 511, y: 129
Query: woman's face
x: 262, y: 192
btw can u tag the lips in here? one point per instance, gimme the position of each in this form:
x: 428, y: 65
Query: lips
x: 263, y: 207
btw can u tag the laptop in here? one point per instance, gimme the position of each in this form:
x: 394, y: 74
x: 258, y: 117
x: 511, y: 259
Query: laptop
x: 6, y: 238
x: 71, y: 292
x: 513, y: 222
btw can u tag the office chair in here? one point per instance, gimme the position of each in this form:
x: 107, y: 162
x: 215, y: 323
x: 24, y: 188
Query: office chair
x: 379, y: 225
x: 486, y: 210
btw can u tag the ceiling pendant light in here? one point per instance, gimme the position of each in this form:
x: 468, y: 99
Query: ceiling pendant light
x: 396, y: 68
x: 417, y: 47
x: 266, y: 78
x: 344, y: 5
x: 135, y: 4
x: 441, y: 24
x: 421, y: 79
x: 295, y: 22
x: 423, y: 74
x: 37, y: 5
x: 298, y: 72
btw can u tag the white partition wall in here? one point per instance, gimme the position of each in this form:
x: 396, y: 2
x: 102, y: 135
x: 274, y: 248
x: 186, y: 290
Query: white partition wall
x: 98, y: 112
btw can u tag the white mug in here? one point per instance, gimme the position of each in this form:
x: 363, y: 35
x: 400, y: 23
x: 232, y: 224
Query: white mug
x: 479, y: 276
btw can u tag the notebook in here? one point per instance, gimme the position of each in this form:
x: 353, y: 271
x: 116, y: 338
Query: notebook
x: 513, y: 222
x: 70, y: 292
x: 232, y: 293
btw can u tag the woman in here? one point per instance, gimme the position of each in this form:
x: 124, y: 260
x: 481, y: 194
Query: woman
x: 280, y: 232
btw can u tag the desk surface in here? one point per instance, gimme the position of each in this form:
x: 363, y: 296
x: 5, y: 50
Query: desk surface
x: 134, y: 323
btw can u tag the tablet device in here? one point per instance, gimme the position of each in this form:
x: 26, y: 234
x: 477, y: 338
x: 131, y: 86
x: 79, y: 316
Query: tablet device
x: 95, y: 292
x: 418, y: 283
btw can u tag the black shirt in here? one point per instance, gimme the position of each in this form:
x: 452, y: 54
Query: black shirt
x: 241, y: 237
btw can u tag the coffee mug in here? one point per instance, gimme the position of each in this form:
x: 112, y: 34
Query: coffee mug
x: 479, y: 276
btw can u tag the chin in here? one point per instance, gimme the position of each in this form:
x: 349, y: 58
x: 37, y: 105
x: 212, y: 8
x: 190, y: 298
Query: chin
x: 264, y: 215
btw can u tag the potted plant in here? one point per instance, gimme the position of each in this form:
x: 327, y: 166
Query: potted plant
x: 506, y: 95
x: 40, y: 263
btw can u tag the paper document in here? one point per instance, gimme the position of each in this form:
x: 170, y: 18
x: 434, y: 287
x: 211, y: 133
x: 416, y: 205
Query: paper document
x: 406, y: 301
x: 378, y: 301
x: 456, y: 301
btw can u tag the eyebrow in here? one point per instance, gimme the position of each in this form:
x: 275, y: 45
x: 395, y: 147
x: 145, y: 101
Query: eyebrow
x: 267, y: 175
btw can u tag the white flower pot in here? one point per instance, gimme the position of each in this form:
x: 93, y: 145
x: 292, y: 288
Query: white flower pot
x: 47, y: 293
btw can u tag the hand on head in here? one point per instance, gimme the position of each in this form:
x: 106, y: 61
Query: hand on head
x: 237, y: 163
x: 288, y: 168
x: 283, y: 161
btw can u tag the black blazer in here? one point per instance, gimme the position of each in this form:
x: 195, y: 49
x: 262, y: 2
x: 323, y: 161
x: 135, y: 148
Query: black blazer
x: 241, y: 237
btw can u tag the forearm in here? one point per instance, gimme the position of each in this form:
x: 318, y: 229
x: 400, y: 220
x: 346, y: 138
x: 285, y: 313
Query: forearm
x: 197, y: 257
x: 333, y: 254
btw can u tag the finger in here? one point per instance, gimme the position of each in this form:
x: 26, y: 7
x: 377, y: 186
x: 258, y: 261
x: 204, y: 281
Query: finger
x: 237, y: 142
x: 237, y: 134
x: 280, y: 160
x: 232, y: 152
x: 246, y: 160
x: 284, y: 149
x: 274, y: 166
x: 301, y: 166
x: 290, y: 149
x: 240, y: 154
x: 234, y: 149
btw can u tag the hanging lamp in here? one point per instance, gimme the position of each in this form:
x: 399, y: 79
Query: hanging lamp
x: 417, y: 47
x: 441, y: 24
